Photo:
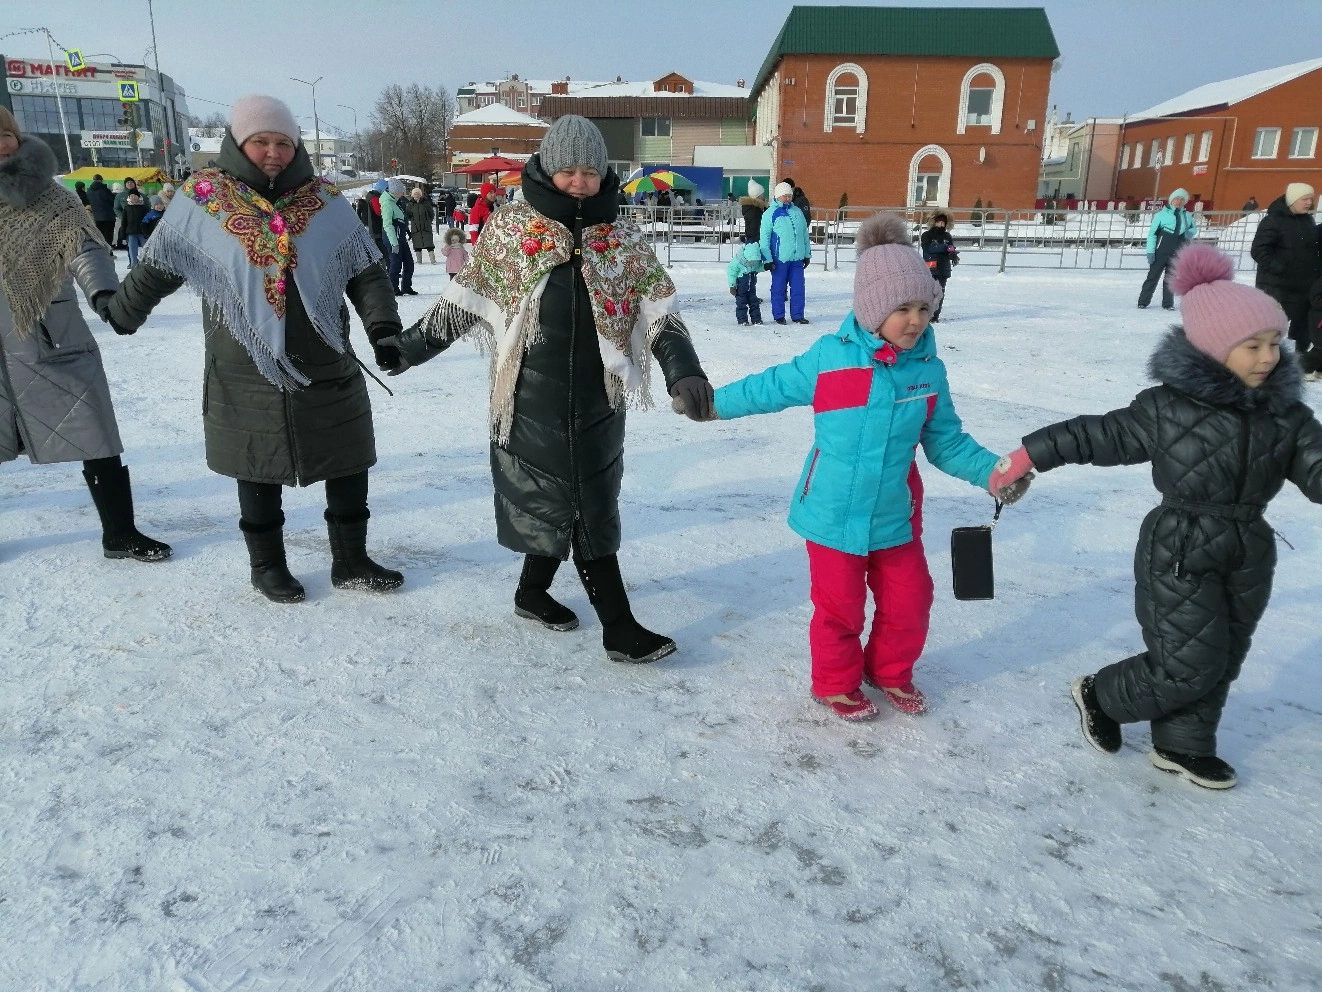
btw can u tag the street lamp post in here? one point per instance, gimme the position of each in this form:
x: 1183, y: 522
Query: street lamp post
x: 316, y: 123
x: 345, y: 106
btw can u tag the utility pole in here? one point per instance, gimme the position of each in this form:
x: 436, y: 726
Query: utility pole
x: 345, y: 106
x: 316, y: 123
x: 167, y: 116
x: 64, y: 125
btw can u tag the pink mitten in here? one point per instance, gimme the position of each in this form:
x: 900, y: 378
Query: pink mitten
x: 1011, y: 476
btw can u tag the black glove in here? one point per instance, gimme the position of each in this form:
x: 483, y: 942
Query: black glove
x: 387, y: 356
x: 733, y: 291
x: 412, y: 347
x: 806, y: 262
x: 696, y: 396
x: 769, y: 267
x: 101, y: 304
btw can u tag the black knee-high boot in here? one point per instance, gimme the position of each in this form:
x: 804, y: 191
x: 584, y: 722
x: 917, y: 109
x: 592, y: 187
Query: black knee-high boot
x: 624, y: 638
x: 532, y: 599
x: 112, y: 492
x: 351, y: 568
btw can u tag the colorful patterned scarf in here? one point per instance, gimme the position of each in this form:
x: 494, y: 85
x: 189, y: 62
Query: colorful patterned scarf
x: 238, y: 249
x: 499, y: 293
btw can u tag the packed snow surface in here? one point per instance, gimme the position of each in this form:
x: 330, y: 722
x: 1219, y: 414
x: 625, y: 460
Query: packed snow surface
x: 207, y: 792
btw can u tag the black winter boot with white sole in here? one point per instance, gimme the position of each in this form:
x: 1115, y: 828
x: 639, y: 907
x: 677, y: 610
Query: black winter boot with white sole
x: 1206, y: 770
x: 351, y: 568
x: 623, y: 637
x: 1099, y: 729
x: 533, y: 602
x: 266, y: 557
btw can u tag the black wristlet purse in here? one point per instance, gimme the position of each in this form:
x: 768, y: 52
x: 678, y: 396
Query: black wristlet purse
x: 971, y: 560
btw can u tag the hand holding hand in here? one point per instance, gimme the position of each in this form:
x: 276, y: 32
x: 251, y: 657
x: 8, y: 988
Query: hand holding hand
x: 101, y: 304
x: 1011, y: 477
x: 694, y: 397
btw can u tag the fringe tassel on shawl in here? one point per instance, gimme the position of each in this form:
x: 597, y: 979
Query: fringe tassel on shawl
x: 211, y: 280
x: 354, y: 256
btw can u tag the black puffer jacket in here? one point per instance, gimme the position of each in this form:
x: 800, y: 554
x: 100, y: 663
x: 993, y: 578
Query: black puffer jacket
x: 255, y: 431
x: 1286, y: 247
x: 1219, y: 451
x: 752, y: 208
x: 558, y: 478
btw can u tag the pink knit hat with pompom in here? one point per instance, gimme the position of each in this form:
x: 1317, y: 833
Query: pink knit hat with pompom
x: 1218, y: 312
x: 890, y: 271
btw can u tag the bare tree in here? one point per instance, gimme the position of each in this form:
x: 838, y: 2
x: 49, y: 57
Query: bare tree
x: 413, y: 121
x: 212, y: 126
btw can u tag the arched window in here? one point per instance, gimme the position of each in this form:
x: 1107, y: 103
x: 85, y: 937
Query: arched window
x: 846, y: 98
x: 929, y: 177
x: 981, y: 98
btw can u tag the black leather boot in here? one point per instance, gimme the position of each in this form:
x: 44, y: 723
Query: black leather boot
x: 533, y: 602
x: 623, y: 637
x: 266, y: 555
x: 112, y: 492
x: 350, y: 566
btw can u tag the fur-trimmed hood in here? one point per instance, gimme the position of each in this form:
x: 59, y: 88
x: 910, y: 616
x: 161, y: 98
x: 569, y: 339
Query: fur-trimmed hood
x: 27, y: 173
x: 1180, y: 365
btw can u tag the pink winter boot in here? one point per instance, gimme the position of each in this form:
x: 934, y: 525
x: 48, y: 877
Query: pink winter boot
x: 854, y: 707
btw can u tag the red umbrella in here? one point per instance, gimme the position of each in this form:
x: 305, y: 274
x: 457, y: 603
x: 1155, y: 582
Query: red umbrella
x: 493, y: 163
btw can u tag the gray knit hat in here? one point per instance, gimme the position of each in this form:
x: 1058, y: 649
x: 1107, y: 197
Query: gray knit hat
x: 889, y: 272
x: 571, y: 141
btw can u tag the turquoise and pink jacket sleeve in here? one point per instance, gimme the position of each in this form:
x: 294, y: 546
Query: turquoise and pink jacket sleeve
x: 872, y: 408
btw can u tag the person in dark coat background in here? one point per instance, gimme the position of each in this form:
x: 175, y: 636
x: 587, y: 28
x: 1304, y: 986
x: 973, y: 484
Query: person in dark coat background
x: 940, y: 254
x: 422, y: 218
x: 80, y: 188
x: 1250, y: 205
x: 800, y: 200
x: 284, y: 402
x: 1224, y: 430
x: 1289, y: 256
x: 102, y: 202
x: 752, y: 207
x: 572, y: 304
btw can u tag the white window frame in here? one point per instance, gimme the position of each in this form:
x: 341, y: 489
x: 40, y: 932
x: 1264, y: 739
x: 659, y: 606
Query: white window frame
x: 1124, y: 157
x: 1205, y: 146
x: 1138, y: 154
x: 942, y: 184
x: 1186, y: 154
x: 1168, y: 157
x: 1294, y: 142
x: 1259, y: 135
x: 998, y: 98
x: 1153, y: 152
x: 859, y: 123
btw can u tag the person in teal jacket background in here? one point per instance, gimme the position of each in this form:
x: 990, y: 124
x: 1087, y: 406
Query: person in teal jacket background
x: 878, y: 390
x: 742, y: 276
x: 395, y: 226
x: 1172, y: 228
x: 784, y: 243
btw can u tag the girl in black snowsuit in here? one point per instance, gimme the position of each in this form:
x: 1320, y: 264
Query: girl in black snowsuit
x: 940, y: 254
x: 1224, y: 431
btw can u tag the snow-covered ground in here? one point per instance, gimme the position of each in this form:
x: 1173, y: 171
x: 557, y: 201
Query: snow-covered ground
x: 206, y: 792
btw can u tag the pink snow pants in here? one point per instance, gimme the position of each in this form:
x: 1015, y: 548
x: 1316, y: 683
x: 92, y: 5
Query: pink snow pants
x: 902, y: 591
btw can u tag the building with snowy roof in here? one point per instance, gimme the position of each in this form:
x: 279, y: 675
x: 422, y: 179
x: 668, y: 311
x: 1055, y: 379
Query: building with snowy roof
x: 494, y: 129
x: 524, y: 95
x: 658, y: 121
x: 1228, y: 140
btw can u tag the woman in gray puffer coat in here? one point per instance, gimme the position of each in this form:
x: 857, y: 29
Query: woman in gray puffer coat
x: 54, y: 399
x: 1224, y: 431
x: 273, y: 250
x: 422, y: 221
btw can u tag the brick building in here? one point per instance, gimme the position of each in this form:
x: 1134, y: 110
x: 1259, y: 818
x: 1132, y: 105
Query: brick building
x: 1229, y: 140
x: 494, y: 129
x: 907, y: 106
x: 523, y: 95
x: 657, y: 121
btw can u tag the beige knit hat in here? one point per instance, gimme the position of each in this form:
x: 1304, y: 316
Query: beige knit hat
x: 256, y: 113
x: 890, y: 271
x: 1296, y: 192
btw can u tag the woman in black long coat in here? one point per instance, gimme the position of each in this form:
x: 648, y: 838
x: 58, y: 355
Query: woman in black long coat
x: 572, y: 304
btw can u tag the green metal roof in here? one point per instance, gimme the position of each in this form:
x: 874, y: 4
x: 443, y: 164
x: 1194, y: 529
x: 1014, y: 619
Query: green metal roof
x: 975, y: 32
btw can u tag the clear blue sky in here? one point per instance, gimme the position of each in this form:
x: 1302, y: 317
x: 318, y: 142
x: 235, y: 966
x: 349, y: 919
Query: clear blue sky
x: 1117, y: 56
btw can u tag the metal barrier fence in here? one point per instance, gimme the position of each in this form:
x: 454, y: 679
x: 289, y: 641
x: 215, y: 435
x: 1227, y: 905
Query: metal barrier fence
x: 1007, y: 239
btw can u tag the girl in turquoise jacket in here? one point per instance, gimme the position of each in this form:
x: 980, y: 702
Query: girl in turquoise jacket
x: 878, y: 391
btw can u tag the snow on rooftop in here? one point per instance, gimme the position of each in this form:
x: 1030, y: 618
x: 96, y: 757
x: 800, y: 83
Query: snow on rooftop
x: 646, y: 88
x: 1229, y: 91
x: 499, y: 114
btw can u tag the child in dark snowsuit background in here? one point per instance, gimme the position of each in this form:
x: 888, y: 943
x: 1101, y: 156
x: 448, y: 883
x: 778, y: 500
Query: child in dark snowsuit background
x: 1224, y: 431
x: 940, y: 253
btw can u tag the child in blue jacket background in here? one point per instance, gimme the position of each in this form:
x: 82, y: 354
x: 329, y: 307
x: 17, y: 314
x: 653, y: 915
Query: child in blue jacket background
x: 742, y: 275
x: 878, y: 390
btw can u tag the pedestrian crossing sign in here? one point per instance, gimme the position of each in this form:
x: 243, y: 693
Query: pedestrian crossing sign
x: 128, y: 91
x: 73, y: 58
